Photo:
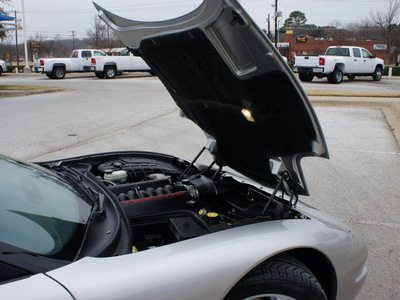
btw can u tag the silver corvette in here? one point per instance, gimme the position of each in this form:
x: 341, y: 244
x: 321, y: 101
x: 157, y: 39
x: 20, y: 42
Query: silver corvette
x: 140, y: 225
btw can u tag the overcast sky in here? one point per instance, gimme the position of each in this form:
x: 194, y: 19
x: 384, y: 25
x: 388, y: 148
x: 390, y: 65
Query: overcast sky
x: 52, y: 17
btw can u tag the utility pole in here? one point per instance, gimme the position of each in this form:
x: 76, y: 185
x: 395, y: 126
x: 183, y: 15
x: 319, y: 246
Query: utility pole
x: 108, y: 37
x: 73, y: 39
x: 276, y: 24
x: 269, y: 26
x: 16, y: 41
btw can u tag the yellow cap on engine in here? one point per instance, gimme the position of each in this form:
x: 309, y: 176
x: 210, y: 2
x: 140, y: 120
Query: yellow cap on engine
x: 212, y: 215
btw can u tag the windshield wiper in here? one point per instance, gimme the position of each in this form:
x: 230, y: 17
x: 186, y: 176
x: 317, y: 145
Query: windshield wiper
x: 99, y: 200
x: 97, y: 210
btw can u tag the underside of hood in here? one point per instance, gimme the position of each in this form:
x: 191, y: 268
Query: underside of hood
x: 227, y: 77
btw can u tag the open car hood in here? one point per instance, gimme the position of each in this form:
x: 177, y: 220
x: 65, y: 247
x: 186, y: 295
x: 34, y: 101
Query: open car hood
x: 227, y: 77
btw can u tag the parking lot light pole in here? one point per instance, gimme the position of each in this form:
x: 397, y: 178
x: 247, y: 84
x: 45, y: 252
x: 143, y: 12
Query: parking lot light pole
x: 27, y: 69
x: 16, y: 41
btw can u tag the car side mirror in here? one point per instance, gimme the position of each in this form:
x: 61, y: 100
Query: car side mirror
x: 373, y: 55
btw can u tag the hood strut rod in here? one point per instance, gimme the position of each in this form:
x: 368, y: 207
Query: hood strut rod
x: 192, y: 163
x: 283, y: 178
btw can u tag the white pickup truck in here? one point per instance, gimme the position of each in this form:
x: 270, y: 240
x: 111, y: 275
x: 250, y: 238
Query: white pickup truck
x: 3, y: 67
x: 111, y: 66
x: 337, y: 62
x: 82, y: 60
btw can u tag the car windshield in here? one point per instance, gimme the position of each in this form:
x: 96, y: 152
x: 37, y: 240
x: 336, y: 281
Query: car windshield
x: 39, y: 212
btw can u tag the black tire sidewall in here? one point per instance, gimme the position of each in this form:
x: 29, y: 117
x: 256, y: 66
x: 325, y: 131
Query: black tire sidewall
x: 377, y: 74
x: 106, y: 72
x: 267, y: 287
x: 333, y: 76
x: 56, y: 71
x: 306, y: 77
x: 281, y: 275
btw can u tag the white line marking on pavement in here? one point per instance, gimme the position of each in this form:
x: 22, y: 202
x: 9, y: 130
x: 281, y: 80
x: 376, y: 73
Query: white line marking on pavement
x: 365, y: 151
x: 374, y: 223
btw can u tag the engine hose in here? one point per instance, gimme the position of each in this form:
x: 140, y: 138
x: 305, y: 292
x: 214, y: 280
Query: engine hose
x: 212, y: 190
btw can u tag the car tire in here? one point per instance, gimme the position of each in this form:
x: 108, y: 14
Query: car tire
x: 1, y: 71
x: 306, y: 77
x: 58, y: 73
x: 336, y: 76
x: 351, y: 77
x: 99, y: 74
x: 110, y: 72
x: 282, y: 277
x: 377, y: 75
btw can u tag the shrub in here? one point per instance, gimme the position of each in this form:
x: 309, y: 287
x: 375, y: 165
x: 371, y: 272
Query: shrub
x: 395, y: 71
x: 12, y: 69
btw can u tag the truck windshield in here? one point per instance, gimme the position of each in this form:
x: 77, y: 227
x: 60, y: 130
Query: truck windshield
x: 39, y: 212
x: 338, y: 51
x: 99, y: 53
x: 125, y: 52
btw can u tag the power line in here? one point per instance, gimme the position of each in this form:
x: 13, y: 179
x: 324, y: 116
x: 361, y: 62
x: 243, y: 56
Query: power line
x: 137, y: 7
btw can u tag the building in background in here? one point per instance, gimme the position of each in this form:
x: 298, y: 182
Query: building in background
x: 294, y: 45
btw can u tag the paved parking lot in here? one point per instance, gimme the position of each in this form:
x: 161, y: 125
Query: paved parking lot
x: 359, y: 184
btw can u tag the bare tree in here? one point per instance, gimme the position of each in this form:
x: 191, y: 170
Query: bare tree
x: 388, y: 23
x: 363, y: 30
x: 37, y: 45
x: 59, y: 47
x: 338, y: 32
x: 101, y: 37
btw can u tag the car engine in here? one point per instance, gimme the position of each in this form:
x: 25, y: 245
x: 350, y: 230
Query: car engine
x: 167, y: 199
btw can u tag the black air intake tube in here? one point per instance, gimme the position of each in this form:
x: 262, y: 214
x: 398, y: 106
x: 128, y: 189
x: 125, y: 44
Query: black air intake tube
x: 212, y: 190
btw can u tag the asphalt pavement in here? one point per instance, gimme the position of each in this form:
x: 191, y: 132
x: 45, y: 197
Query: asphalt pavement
x: 359, y: 184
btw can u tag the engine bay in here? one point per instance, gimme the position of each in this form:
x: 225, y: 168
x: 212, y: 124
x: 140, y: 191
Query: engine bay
x: 167, y: 199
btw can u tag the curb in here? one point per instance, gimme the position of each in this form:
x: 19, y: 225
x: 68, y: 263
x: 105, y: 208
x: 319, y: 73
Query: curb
x: 389, y: 106
x: 363, y: 94
x: 45, y: 90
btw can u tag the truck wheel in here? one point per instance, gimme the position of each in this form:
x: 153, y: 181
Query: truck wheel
x: 306, y: 77
x: 336, y: 76
x: 110, y: 72
x: 351, y: 77
x: 377, y: 74
x: 58, y: 73
x: 99, y: 74
x: 1, y: 71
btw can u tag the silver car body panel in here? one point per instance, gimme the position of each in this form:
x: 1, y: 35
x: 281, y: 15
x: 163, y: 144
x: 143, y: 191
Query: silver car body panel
x: 207, y: 267
x: 37, y: 287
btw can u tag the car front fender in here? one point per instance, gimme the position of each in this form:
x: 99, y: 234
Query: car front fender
x: 206, y: 267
